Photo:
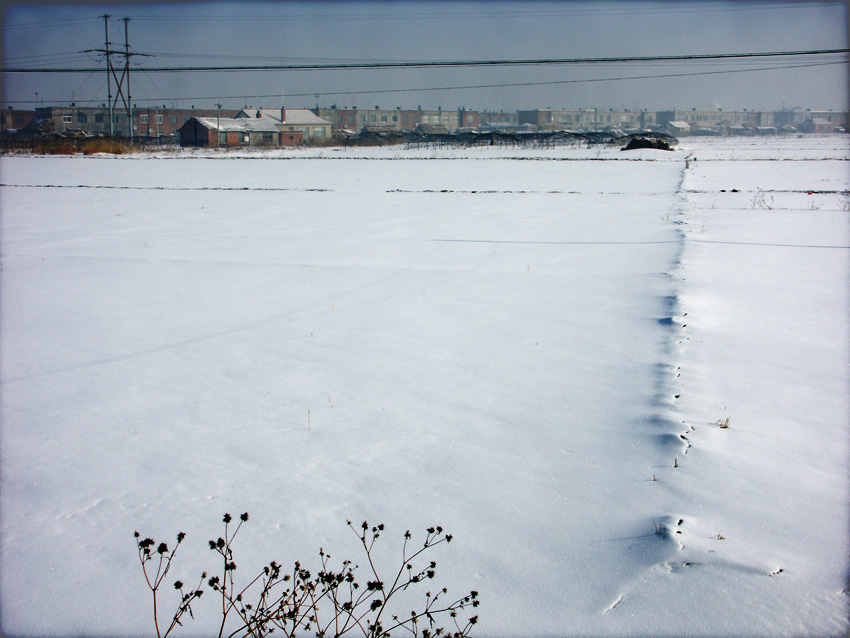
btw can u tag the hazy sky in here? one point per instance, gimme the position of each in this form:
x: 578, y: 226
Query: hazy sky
x: 245, y: 33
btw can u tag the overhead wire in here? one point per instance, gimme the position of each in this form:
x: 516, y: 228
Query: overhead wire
x: 473, y: 86
x: 507, y: 84
x: 456, y: 63
x: 48, y: 24
x: 643, y: 8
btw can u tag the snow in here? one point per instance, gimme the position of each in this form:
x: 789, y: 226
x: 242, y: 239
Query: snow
x: 530, y: 348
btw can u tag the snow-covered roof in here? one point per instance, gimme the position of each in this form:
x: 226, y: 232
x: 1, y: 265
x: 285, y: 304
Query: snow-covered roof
x: 238, y: 124
x: 293, y: 116
x: 679, y: 124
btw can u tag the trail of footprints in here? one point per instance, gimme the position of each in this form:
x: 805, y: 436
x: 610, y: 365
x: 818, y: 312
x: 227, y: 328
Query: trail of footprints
x: 670, y: 381
x: 678, y: 543
x: 669, y: 389
x: 674, y: 434
x: 675, y: 321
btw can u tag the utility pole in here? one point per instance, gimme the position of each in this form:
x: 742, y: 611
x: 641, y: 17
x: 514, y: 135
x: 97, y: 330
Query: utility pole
x: 106, y: 51
x: 129, y: 103
x: 218, y: 125
x: 111, y: 74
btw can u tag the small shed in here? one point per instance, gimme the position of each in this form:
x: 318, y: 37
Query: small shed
x: 678, y: 128
x: 816, y: 125
x: 235, y: 132
x: 308, y: 123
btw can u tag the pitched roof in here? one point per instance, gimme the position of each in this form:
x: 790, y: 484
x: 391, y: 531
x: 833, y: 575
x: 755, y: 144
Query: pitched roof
x: 293, y: 116
x: 238, y: 124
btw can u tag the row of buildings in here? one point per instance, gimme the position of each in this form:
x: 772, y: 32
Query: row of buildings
x: 283, y: 127
x: 680, y: 123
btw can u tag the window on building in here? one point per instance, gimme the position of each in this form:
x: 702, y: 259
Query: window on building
x: 159, y: 119
x: 66, y: 119
x: 362, y: 117
x: 82, y: 118
x: 383, y: 118
x: 404, y: 118
x: 246, y: 138
x: 267, y: 138
x: 222, y: 138
x: 318, y: 132
x: 172, y: 119
x: 98, y: 118
x: 373, y: 118
x: 143, y: 118
x: 351, y: 117
x: 395, y: 118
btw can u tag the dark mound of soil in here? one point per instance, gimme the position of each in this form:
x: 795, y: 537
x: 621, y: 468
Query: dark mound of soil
x: 647, y: 142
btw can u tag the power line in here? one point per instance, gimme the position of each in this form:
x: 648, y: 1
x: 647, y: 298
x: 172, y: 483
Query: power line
x: 472, y: 86
x: 507, y: 84
x: 48, y: 24
x: 454, y: 63
x: 271, y: 59
x: 643, y: 8
x: 62, y: 55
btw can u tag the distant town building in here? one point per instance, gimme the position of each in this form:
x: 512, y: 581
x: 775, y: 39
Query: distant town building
x: 585, y: 119
x: 468, y: 119
x: 340, y: 119
x: 716, y: 118
x: 494, y: 118
x: 318, y: 124
x: 792, y: 116
x: 15, y: 120
x: 397, y: 119
x: 148, y: 122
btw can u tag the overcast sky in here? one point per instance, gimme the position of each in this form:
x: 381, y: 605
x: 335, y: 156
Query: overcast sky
x: 245, y: 33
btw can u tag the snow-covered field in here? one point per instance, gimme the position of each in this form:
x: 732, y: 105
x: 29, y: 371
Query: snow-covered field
x: 530, y: 348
